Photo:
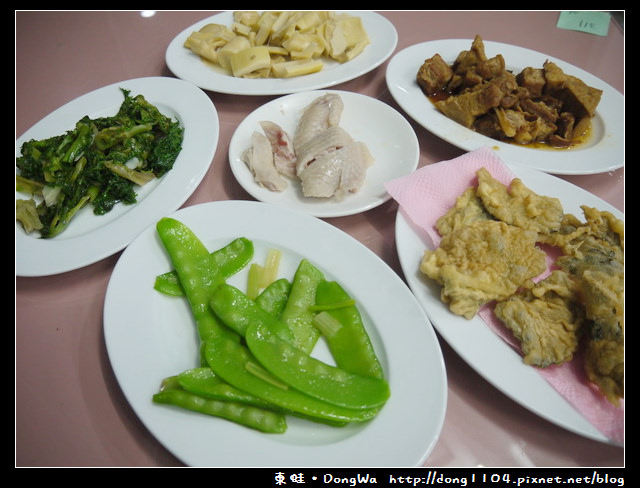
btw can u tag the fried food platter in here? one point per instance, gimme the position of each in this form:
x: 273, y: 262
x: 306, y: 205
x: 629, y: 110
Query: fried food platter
x: 474, y: 341
x: 602, y: 151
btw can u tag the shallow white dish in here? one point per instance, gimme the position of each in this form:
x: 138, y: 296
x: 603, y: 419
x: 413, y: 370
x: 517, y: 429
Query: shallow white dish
x: 150, y: 336
x: 473, y: 340
x: 604, y: 151
x: 89, y: 237
x: 187, y: 65
x: 390, y: 138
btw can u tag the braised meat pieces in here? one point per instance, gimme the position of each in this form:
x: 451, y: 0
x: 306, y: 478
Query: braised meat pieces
x: 537, y: 105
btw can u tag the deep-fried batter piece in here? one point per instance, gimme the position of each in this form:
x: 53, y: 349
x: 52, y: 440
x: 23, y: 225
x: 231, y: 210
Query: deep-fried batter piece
x: 483, y: 261
x: 602, y: 225
x: 468, y: 208
x: 488, y: 252
x: 518, y: 205
x: 604, y: 359
x: 597, y: 263
x: 546, y: 318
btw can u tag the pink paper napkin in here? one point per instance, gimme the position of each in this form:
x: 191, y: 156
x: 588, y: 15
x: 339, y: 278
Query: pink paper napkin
x: 426, y: 195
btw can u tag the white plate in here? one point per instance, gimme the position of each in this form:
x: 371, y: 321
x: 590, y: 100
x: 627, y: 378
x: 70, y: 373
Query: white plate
x: 604, y: 151
x: 187, y: 65
x: 89, y: 237
x: 473, y: 340
x: 150, y: 337
x: 390, y: 138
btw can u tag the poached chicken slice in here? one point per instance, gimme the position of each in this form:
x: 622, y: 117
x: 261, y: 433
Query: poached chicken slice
x: 324, y: 112
x: 259, y: 159
x: 323, y: 142
x: 322, y: 156
x: 284, y: 156
x: 337, y: 172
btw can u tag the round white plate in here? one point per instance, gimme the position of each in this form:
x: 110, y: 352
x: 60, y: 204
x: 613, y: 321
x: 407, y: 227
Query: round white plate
x: 473, y: 340
x: 187, y: 65
x: 390, y: 138
x: 604, y: 151
x: 90, y: 237
x: 150, y: 336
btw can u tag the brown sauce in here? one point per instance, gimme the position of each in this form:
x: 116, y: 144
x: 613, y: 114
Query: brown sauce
x: 575, y: 142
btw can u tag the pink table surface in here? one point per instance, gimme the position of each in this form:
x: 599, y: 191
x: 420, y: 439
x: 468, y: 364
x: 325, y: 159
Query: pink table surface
x: 69, y: 409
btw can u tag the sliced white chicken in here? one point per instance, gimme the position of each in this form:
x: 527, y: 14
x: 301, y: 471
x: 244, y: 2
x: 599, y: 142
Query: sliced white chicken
x: 354, y: 171
x: 322, y: 177
x: 338, y: 172
x: 324, y: 112
x: 323, y: 142
x: 259, y: 159
x: 284, y: 156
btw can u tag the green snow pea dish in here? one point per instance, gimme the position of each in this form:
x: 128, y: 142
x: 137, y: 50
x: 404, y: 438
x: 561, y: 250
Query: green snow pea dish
x: 257, y: 363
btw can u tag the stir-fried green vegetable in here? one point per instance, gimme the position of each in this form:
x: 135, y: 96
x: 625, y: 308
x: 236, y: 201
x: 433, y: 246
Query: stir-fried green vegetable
x: 100, y: 161
x: 256, y: 351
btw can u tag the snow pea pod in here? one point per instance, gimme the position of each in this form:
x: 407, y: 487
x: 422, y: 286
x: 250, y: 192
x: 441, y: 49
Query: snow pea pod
x: 238, y: 311
x: 247, y: 415
x: 228, y: 261
x: 296, y: 314
x: 313, y: 376
x: 274, y: 297
x: 350, y: 344
x: 235, y: 364
x: 204, y: 382
x: 197, y: 273
x: 169, y: 284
